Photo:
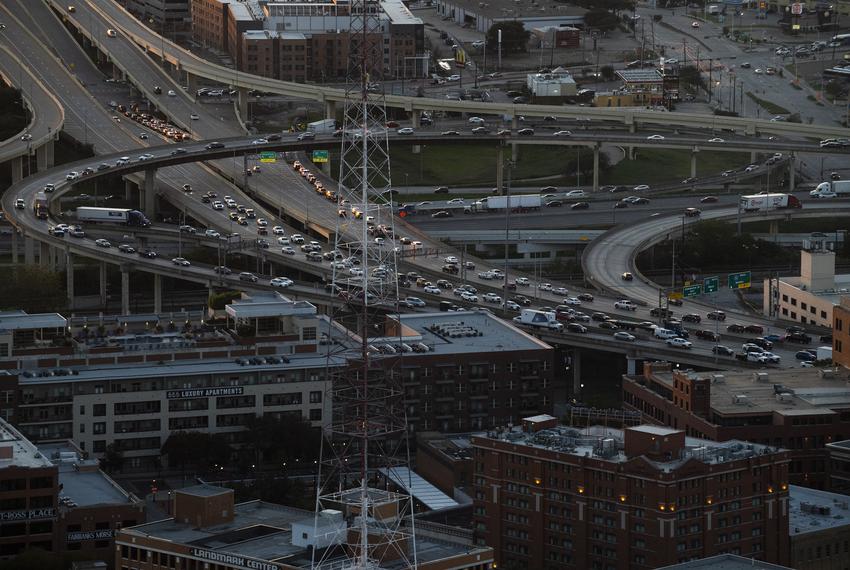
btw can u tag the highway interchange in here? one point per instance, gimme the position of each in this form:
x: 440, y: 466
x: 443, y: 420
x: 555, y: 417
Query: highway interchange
x: 114, y: 139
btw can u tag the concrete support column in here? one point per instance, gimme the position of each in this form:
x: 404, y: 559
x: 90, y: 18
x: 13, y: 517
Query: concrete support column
x: 29, y: 250
x: 631, y: 366
x: 157, y: 293
x: 17, y: 165
x: 773, y: 228
x: 149, y: 193
x: 102, y: 288
x: 116, y: 72
x: 792, y: 173
x: 415, y: 117
x: 500, y: 170
x: 576, y: 364
x: 753, y: 156
x: 192, y: 84
x: 330, y: 110
x: 59, y: 258
x: 595, y: 168
x: 514, y: 152
x: 242, y: 103
x: 128, y: 189
x: 125, y: 290
x: 514, y: 123
x: 14, y: 245
x: 693, y: 164
x: 44, y: 156
x: 69, y: 278
x: 44, y: 254
x: 631, y: 153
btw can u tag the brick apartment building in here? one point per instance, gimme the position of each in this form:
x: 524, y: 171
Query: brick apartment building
x: 54, y: 500
x: 306, y: 41
x: 801, y: 409
x: 551, y: 497
x: 841, y: 333
x: 132, y: 388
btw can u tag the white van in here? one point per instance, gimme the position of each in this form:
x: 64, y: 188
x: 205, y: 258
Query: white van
x: 664, y: 334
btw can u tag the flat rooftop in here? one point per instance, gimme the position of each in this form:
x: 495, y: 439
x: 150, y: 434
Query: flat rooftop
x: 274, y: 304
x: 808, y: 392
x: 398, y: 13
x: 23, y: 452
x: 522, y: 10
x: 82, y: 480
x: 464, y: 332
x: 841, y: 288
x: 263, y: 531
x: 726, y: 562
x: 20, y: 320
x: 812, y: 510
x: 607, y: 444
x: 639, y: 75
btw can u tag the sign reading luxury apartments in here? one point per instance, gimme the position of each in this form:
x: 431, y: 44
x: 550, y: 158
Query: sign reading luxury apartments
x: 90, y: 535
x: 233, y: 560
x: 30, y: 515
x: 204, y: 392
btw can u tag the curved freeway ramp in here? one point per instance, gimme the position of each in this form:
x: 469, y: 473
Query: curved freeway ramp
x: 48, y: 115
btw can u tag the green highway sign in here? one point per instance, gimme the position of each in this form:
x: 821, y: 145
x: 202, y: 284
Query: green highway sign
x: 710, y: 284
x: 740, y: 280
x: 692, y: 290
x: 320, y: 156
x: 268, y: 156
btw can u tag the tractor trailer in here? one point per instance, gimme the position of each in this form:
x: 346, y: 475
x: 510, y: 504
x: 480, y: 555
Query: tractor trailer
x: 113, y: 215
x: 836, y: 189
x: 763, y: 202
x: 519, y: 203
x: 540, y: 319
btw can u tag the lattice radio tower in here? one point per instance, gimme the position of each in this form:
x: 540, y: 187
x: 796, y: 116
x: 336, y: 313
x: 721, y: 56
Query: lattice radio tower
x: 361, y: 524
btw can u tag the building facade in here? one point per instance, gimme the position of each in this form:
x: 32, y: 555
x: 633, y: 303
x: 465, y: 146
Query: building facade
x: 819, y: 529
x: 841, y: 333
x: 781, y: 408
x: 811, y: 297
x: 551, y: 497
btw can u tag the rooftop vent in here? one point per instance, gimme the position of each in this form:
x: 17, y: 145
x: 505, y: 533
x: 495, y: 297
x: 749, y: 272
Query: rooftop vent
x: 741, y: 400
x: 718, y: 379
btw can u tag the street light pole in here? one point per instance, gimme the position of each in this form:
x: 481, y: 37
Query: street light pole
x: 510, y: 165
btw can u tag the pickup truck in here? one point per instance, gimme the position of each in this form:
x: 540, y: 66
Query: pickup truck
x: 625, y: 305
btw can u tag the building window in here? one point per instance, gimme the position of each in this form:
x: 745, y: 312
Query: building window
x: 308, y: 333
x: 803, y: 306
x: 784, y: 298
x: 813, y: 310
x: 316, y: 414
x: 793, y: 302
x: 839, y: 324
x: 823, y: 314
x: 99, y: 409
x: 99, y: 446
x: 838, y: 345
x: 99, y: 428
x: 316, y: 397
x: 793, y: 314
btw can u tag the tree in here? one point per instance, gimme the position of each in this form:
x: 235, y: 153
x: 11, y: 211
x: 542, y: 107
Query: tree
x: 601, y: 20
x: 195, y: 449
x: 514, y: 36
x: 113, y: 459
x: 607, y: 72
x: 690, y: 75
x: 33, y: 289
x: 278, y: 439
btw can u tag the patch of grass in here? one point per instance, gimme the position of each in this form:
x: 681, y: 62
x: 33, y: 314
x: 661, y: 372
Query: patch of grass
x: 653, y: 166
x: 771, y: 107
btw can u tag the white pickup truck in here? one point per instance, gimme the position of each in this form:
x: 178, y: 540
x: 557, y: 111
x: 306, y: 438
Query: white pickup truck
x: 625, y: 305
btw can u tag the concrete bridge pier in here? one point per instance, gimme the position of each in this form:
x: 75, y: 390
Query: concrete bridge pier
x: 157, y: 293
x: 576, y: 365
x: 14, y: 245
x: 500, y: 170
x: 69, y: 278
x: 29, y: 250
x: 595, y: 167
x: 58, y: 258
x: 102, y: 288
x: 631, y: 366
x: 631, y: 152
x: 128, y: 189
x: 792, y: 173
x: 242, y: 102
x: 125, y: 290
x: 694, y: 163
x: 44, y: 158
x: 753, y: 156
x: 44, y: 255
x: 17, y: 165
x: 773, y: 228
x: 330, y: 111
x: 148, y: 198
x: 415, y: 117
x: 192, y: 84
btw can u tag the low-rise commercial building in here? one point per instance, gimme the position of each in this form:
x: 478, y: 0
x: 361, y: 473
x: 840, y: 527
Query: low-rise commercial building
x: 481, y: 16
x: 553, y: 497
x: 819, y: 529
x: 801, y: 409
x: 841, y: 332
x: 554, y: 87
x: 209, y: 530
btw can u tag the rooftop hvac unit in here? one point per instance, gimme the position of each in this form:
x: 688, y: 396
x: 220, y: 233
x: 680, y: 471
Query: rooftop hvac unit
x: 718, y: 379
x: 826, y: 372
x: 741, y: 399
x: 761, y: 377
x: 784, y: 397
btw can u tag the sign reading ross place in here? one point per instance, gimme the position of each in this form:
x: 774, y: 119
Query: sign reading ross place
x: 204, y: 392
x: 32, y: 514
x: 233, y: 560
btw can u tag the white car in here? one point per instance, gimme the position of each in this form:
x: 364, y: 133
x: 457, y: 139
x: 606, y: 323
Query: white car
x: 171, y: 93
x: 415, y: 302
x: 405, y: 131
x: 259, y: 141
x: 576, y: 194
x: 212, y: 234
x: 655, y: 138
x: 454, y: 77
x: 455, y: 201
x: 469, y: 297
x: 451, y: 259
x: 623, y: 335
x: 491, y: 298
x: 560, y: 291
x: 716, y: 140
x: 563, y: 134
x: 122, y: 161
x: 73, y: 175
x: 194, y: 116
x: 288, y: 250
x: 770, y: 357
x: 102, y: 243
x: 572, y: 301
x: 20, y: 204
x: 281, y: 282
x: 486, y: 275
x: 751, y: 167
x: 433, y: 290
x: 523, y: 281
x: 641, y: 188
x: 278, y: 231
x: 296, y: 239
x: 679, y: 343
x: 475, y: 121
x: 545, y: 287
x: 625, y: 305
x: 187, y: 229
x: 217, y: 206
x: 283, y: 240
x: 182, y: 261
x: 512, y: 305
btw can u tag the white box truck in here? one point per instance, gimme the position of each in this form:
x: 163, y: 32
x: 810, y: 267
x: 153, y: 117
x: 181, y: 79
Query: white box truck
x: 836, y: 189
x: 520, y: 202
x: 323, y: 127
x: 541, y: 319
x: 824, y: 353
